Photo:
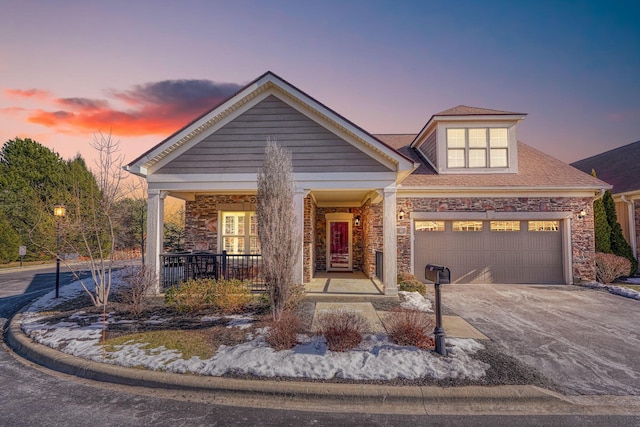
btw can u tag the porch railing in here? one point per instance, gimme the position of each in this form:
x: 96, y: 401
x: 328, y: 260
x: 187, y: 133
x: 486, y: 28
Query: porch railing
x: 379, y: 264
x: 179, y: 267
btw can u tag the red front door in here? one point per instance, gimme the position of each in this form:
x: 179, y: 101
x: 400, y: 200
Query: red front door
x: 339, y: 245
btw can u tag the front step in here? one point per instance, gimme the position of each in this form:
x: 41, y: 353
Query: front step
x: 347, y: 297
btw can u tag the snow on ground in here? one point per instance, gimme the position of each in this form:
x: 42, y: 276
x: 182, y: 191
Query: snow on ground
x: 375, y: 359
x: 618, y: 290
x: 415, y: 301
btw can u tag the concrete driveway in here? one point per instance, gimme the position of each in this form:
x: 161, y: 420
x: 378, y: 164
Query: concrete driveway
x: 587, y: 341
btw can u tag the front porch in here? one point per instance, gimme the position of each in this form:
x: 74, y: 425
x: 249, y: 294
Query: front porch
x: 344, y: 233
x: 340, y: 284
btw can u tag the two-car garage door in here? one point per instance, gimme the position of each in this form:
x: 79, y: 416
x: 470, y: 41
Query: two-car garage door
x: 491, y: 251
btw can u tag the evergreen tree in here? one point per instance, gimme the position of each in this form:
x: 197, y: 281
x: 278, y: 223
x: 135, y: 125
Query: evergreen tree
x: 31, y: 182
x: 601, y: 226
x: 9, y: 241
x: 619, y: 245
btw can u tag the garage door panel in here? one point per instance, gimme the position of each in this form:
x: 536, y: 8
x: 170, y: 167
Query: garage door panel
x: 492, y: 256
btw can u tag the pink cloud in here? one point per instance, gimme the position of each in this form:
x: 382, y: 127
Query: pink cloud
x: 156, y: 108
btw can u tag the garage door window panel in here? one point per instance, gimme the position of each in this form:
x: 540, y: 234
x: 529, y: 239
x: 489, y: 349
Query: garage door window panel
x: 429, y: 226
x: 543, y: 226
x: 467, y: 225
x: 505, y: 225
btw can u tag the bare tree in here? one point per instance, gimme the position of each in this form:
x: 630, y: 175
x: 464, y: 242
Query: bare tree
x: 90, y: 225
x: 279, y: 239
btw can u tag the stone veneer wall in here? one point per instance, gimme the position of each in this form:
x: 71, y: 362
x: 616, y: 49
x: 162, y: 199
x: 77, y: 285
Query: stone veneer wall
x: 201, y: 217
x: 309, y: 239
x: 373, y: 236
x: 582, y: 235
x: 321, y: 237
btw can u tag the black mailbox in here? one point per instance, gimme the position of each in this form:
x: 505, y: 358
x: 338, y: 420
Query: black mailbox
x: 437, y: 273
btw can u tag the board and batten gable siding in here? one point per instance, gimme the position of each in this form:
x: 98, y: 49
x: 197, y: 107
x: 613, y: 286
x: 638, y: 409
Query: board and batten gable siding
x: 238, y: 147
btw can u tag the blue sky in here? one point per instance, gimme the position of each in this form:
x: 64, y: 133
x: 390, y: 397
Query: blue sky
x: 143, y: 68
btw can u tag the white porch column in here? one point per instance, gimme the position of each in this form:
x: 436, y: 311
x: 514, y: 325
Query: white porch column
x: 298, y: 208
x: 155, y: 231
x: 390, y: 243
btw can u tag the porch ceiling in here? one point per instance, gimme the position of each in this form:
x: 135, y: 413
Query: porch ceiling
x: 340, y: 198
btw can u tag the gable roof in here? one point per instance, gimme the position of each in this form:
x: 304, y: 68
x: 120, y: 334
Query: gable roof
x: 536, y: 170
x: 226, y: 110
x: 618, y: 167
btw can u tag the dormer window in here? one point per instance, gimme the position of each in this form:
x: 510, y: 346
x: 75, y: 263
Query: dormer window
x: 477, y: 148
x: 470, y: 140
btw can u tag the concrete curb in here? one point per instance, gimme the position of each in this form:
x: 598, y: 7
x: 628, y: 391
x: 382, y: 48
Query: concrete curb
x: 375, y: 398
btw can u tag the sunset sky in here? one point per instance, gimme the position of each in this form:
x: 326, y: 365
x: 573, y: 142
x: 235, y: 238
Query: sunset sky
x: 143, y: 69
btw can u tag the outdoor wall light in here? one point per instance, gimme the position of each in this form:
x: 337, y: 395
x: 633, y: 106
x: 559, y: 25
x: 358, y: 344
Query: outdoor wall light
x: 582, y: 214
x: 401, y: 214
x: 357, y: 221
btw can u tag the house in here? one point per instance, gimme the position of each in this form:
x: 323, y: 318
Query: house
x: 463, y: 192
x: 619, y: 167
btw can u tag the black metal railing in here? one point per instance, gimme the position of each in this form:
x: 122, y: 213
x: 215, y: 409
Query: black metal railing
x: 179, y: 267
x: 379, y: 265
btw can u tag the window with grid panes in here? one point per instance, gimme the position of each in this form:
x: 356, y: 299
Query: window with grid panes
x: 477, y: 148
x: 240, y: 233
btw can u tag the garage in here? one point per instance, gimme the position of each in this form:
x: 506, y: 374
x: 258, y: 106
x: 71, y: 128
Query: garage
x: 491, y: 251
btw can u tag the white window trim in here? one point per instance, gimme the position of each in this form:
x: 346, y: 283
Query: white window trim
x: 442, y: 151
x: 247, y: 235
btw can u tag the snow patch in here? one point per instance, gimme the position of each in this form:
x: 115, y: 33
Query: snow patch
x: 415, y: 301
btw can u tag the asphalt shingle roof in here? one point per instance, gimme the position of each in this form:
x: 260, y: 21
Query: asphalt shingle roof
x: 619, y: 167
x: 535, y: 169
x: 465, y: 110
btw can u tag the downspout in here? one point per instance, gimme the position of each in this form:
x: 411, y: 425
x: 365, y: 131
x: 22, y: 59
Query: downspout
x: 599, y: 196
x: 632, y: 224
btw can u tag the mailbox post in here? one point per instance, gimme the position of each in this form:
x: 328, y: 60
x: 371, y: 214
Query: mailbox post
x: 436, y: 274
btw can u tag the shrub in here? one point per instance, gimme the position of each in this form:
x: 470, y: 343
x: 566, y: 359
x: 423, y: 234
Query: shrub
x: 230, y: 296
x: 283, y: 333
x: 404, y: 276
x: 190, y: 296
x: 409, y: 283
x: 411, y: 327
x: 343, y: 329
x: 416, y: 286
x: 609, y: 267
x: 138, y: 282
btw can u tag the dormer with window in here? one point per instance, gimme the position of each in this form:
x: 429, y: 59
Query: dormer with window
x: 465, y: 140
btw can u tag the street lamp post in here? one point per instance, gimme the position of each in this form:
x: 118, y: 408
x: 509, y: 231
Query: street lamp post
x: 58, y: 211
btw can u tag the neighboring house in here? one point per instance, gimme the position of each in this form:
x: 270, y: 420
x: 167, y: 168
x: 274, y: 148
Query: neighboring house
x: 463, y: 192
x: 620, y: 168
